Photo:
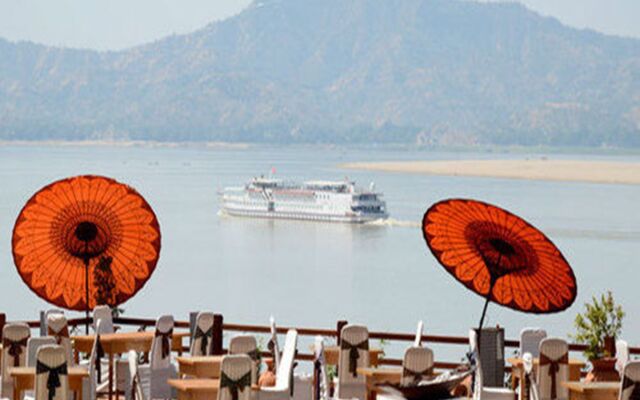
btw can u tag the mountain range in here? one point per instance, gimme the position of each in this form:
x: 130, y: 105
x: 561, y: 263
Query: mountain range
x: 425, y: 72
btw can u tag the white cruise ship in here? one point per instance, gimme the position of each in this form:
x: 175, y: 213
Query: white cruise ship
x: 334, y: 201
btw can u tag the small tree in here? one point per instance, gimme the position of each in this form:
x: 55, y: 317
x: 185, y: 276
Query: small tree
x: 601, y: 320
x: 105, y: 283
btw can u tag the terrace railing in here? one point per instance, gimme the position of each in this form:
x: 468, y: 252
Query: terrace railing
x: 143, y: 323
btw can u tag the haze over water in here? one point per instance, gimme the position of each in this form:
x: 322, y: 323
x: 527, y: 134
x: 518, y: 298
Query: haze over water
x: 312, y: 274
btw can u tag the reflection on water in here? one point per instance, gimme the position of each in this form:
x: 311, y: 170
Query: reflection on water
x: 313, y: 274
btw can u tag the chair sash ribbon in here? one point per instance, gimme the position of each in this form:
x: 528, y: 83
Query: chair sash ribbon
x: 98, y: 360
x: 292, y: 377
x: 165, y: 337
x: 16, y: 347
x: 53, y: 381
x: 627, y: 383
x: 416, y: 375
x: 317, y: 378
x: 134, y: 388
x: 253, y: 354
x: 271, y: 345
x: 354, y: 354
x: 236, y: 385
x: 59, y: 335
x: 204, y: 337
x: 554, y: 368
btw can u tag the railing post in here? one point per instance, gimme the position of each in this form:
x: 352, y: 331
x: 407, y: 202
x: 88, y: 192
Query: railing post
x: 216, y: 345
x: 193, y: 315
x: 43, y: 324
x: 341, y: 323
x: 3, y: 321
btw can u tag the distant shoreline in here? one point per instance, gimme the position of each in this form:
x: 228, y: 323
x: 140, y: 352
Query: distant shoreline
x: 608, y: 172
x: 124, y: 143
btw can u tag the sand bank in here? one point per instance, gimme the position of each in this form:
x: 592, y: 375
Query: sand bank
x: 539, y: 169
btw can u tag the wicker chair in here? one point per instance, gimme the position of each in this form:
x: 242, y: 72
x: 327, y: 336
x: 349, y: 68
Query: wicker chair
x: 202, y: 339
x: 321, y: 390
x: 530, y: 389
x: 354, y: 354
x: 34, y: 344
x: 14, y: 353
x: 58, y: 328
x: 622, y: 355
x: 51, y: 360
x: 283, y: 390
x: 153, y: 376
x: 134, y: 389
x: 481, y: 392
x: 235, y: 377
x: 98, y: 372
x: 246, y: 344
x: 630, y: 383
x: 530, y: 339
x: 417, y: 364
x: 103, y: 313
x: 273, y: 346
x: 553, y: 369
x: 418, y: 340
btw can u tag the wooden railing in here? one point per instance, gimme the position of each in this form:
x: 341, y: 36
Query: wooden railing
x: 221, y: 327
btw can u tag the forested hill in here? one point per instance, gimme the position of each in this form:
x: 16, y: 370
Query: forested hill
x: 409, y: 71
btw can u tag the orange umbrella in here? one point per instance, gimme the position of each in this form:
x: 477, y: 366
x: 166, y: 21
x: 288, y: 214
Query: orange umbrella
x: 499, y: 256
x: 82, y: 227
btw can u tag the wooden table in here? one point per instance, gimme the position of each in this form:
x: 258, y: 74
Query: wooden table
x: 200, y: 366
x: 198, y: 389
x: 517, y: 373
x: 122, y: 342
x: 592, y: 390
x: 24, y: 378
x: 332, y: 355
x: 375, y: 376
x: 204, y: 366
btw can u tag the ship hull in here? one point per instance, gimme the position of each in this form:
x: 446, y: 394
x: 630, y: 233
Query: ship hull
x: 300, y: 216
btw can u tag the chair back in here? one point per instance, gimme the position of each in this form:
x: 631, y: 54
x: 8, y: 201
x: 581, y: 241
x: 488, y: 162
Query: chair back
x: 553, y: 369
x: 58, y: 328
x: 321, y: 389
x: 274, y: 348
x: 417, y: 364
x: 51, y: 381
x: 530, y: 339
x: 103, y: 313
x: 202, y: 339
x: 95, y: 364
x: 235, y: 377
x: 135, y: 388
x: 284, y: 374
x: 630, y: 384
x: 622, y: 355
x: 246, y: 344
x: 34, y: 344
x: 51, y: 311
x: 160, y: 357
x: 473, y: 347
x: 15, y: 337
x: 354, y: 354
x: 418, y: 340
x: 530, y: 387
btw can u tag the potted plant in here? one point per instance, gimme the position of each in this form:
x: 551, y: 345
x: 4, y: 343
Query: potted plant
x: 598, y: 328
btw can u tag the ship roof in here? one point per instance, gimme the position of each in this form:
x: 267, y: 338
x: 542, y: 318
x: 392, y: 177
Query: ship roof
x: 327, y: 183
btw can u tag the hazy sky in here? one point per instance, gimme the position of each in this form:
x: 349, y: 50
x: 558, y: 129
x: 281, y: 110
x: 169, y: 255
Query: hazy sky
x: 116, y: 24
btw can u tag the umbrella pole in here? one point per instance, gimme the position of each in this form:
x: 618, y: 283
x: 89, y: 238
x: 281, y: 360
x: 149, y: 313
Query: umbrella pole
x: 484, y: 312
x: 86, y: 294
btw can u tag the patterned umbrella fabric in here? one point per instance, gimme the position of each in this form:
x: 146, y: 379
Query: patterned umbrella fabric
x: 86, y: 240
x: 499, y: 256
